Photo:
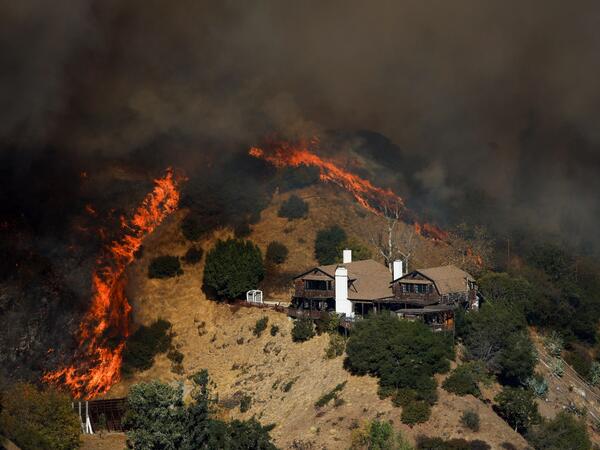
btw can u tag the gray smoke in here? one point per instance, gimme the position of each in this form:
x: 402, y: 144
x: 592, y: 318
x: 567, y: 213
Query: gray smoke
x: 501, y: 96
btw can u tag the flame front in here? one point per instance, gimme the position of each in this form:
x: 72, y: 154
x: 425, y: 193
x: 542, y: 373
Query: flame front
x: 105, y: 326
x: 377, y: 200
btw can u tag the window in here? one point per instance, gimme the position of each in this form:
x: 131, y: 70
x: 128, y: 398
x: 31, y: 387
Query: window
x: 317, y: 285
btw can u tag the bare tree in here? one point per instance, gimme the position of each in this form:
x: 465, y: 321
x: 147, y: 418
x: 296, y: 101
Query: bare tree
x: 394, y: 241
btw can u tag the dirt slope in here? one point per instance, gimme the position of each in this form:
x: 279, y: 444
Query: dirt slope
x: 283, y: 378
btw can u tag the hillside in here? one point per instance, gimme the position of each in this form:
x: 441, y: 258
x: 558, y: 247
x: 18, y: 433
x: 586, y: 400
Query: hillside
x: 283, y: 378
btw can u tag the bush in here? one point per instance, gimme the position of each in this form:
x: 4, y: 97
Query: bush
x: 193, y: 255
x: 143, y: 345
x: 580, y: 360
x: 378, y: 435
x: 431, y: 443
x: 260, y: 326
x: 242, y: 230
x: 594, y: 375
x: 35, y: 419
x: 326, y: 398
x: 164, y: 267
x: 293, y: 208
x: 157, y: 418
x: 462, y: 382
x: 415, y: 412
x: 517, y: 407
x: 328, y: 243
x: 337, y: 345
x: 554, y: 344
x: 328, y: 322
x: 470, y: 420
x: 400, y: 353
x: 245, y: 403
x: 274, y: 330
x: 233, y: 267
x: 277, y: 252
x: 517, y: 360
x: 538, y: 385
x: 303, y: 330
x: 562, y: 432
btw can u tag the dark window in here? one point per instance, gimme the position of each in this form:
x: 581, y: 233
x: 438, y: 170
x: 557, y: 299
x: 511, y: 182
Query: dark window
x: 317, y: 285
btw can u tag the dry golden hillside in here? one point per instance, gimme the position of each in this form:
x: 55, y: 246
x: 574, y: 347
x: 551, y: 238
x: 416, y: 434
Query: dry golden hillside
x: 284, y: 378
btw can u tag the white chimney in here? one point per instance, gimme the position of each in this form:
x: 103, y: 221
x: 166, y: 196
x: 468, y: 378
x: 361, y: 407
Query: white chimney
x: 342, y: 304
x: 347, y: 256
x: 397, y: 269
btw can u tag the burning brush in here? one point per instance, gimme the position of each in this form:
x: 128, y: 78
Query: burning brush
x: 104, y: 327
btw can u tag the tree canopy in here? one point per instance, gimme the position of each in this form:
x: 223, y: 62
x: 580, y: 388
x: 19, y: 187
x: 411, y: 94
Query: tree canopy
x: 233, y: 267
x: 157, y: 418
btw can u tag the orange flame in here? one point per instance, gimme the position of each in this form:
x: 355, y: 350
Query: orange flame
x: 375, y: 199
x: 98, y: 360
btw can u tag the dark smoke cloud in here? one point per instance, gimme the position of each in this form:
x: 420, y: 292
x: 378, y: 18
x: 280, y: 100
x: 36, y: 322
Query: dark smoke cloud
x: 501, y: 96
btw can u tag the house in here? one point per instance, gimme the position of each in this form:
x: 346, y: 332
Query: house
x: 357, y: 288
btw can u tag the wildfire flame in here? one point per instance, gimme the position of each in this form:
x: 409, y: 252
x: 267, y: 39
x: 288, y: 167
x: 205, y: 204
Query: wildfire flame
x: 375, y: 199
x: 105, y: 326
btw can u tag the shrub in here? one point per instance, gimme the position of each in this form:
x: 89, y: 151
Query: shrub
x: 277, y: 252
x: 35, y: 419
x: 303, y: 330
x: 470, y: 420
x: 562, y: 432
x: 233, y: 267
x: 245, y: 403
x: 337, y: 345
x: 260, y: 326
x: 328, y: 243
x: 594, y: 375
x: 157, y: 418
x: 328, y: 322
x: 293, y: 208
x: 415, y: 412
x: 462, y: 381
x: 287, y: 387
x: 517, y: 407
x: 554, y: 344
x: 580, y: 360
x: 274, y: 330
x: 400, y: 353
x: 538, y: 385
x: 193, y: 255
x: 431, y: 443
x: 143, y: 345
x: 164, y: 267
x: 326, y: 398
x: 517, y: 360
x: 378, y: 435
x: 557, y: 367
x: 176, y: 358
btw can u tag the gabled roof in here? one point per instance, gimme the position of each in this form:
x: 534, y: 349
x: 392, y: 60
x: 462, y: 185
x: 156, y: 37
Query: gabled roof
x: 369, y: 279
x: 447, y: 279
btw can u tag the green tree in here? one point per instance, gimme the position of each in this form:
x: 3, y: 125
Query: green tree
x: 486, y: 332
x: 400, y: 353
x: 517, y: 406
x: 328, y: 243
x: 562, y: 432
x: 293, y: 208
x: 277, y: 252
x: 35, y: 419
x: 233, y: 267
x: 517, y: 360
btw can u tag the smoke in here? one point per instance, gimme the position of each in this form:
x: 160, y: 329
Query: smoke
x: 498, y: 96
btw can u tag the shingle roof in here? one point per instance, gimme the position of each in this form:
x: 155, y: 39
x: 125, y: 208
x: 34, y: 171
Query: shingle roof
x: 371, y: 280
x: 448, y: 279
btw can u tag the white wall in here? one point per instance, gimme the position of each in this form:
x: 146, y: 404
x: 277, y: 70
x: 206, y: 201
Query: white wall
x: 342, y: 304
